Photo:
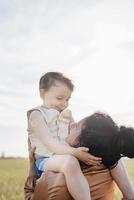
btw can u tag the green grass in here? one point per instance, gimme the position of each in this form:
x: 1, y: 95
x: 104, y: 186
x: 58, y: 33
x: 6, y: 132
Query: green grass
x: 13, y: 173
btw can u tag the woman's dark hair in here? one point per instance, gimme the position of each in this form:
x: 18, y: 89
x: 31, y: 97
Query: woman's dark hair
x: 106, y: 140
x: 47, y: 80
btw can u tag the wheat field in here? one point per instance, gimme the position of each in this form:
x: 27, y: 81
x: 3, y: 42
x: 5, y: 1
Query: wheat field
x: 13, y: 173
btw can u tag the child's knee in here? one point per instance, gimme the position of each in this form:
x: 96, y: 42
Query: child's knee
x: 70, y: 164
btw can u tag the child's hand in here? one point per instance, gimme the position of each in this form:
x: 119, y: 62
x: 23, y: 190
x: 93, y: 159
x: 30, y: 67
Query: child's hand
x: 82, y: 154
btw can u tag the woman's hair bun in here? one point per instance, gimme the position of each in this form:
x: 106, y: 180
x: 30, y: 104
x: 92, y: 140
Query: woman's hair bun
x: 126, y: 141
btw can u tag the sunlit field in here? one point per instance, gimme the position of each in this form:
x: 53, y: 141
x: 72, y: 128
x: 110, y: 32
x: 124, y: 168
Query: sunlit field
x: 13, y: 173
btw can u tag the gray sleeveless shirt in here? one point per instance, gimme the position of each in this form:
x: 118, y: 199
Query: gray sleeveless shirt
x: 51, y: 117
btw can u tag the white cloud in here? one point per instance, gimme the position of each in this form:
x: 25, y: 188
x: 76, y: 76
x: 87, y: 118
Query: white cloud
x: 90, y: 41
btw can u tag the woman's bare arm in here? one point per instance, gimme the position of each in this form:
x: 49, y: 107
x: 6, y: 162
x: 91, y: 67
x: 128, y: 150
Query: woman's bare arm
x: 73, y: 137
x: 32, y: 177
x: 120, y: 175
x: 29, y: 187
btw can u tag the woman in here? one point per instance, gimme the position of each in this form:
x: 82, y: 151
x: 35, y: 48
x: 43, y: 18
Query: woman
x: 53, y: 186
x: 97, y: 132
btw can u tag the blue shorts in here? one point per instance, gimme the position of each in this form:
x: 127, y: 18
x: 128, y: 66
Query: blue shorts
x: 39, y: 163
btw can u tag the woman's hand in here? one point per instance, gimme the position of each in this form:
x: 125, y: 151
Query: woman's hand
x: 31, y: 151
x: 82, y: 154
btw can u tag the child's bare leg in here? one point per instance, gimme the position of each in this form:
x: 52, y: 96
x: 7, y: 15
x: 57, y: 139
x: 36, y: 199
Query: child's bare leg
x: 75, y: 180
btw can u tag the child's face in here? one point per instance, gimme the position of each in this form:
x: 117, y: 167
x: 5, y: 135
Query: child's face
x: 57, y: 97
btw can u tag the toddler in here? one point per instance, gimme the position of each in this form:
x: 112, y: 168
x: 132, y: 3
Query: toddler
x: 48, y: 127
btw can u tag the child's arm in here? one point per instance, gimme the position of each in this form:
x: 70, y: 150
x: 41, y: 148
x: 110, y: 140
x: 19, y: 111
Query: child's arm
x: 72, y: 138
x: 120, y: 175
x: 41, y: 130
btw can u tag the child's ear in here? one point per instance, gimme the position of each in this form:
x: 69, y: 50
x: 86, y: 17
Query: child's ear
x: 42, y: 92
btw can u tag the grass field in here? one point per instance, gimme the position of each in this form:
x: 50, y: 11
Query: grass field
x: 14, y: 171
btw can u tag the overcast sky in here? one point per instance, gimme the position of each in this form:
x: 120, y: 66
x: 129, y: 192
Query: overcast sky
x: 91, y: 41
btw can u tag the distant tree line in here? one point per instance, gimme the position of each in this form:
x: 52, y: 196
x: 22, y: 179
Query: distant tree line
x: 3, y: 156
